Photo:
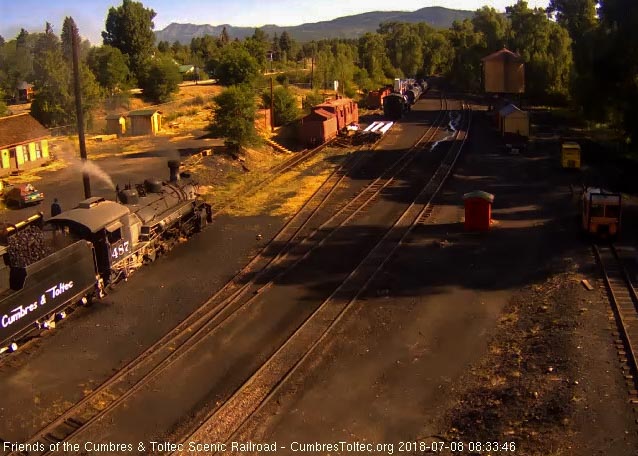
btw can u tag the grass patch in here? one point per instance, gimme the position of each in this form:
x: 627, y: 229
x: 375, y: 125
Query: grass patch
x: 282, y: 197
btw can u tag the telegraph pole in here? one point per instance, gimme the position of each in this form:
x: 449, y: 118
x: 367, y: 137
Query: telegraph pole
x: 312, y: 71
x: 78, y: 109
x: 272, y: 106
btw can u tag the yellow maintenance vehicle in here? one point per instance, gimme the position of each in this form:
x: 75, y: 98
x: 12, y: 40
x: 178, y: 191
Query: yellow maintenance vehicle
x: 570, y: 154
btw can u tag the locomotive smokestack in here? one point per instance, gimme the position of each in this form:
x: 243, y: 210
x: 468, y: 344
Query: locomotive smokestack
x: 173, y: 166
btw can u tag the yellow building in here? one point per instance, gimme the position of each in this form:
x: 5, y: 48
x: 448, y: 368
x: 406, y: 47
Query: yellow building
x: 145, y: 122
x: 513, y: 121
x: 503, y: 72
x: 23, y: 143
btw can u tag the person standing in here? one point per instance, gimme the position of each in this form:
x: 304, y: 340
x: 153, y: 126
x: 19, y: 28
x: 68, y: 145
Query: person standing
x: 56, y: 209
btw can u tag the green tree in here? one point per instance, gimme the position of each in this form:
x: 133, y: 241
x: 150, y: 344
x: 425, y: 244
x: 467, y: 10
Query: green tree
x: 224, y: 38
x: 438, y: 54
x: 129, y: 28
x: 469, y: 47
x: 54, y: 103
x: 67, y: 38
x: 285, y: 45
x: 577, y: 16
x: 546, y: 48
x: 234, y: 115
x: 616, y: 62
x: 160, y: 80
x: 493, y: 25
x: 164, y: 47
x: 236, y: 66
x: 46, y: 42
x: 312, y: 99
x: 373, y: 56
x: 285, y: 104
x: 23, y: 63
x: 108, y: 64
x: 3, y: 105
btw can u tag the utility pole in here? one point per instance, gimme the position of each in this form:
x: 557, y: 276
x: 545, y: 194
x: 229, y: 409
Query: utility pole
x: 78, y: 109
x: 312, y: 71
x: 272, y: 106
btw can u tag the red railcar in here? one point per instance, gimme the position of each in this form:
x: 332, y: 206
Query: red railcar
x: 327, y: 119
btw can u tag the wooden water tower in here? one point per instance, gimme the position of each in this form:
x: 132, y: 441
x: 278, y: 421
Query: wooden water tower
x: 503, y: 73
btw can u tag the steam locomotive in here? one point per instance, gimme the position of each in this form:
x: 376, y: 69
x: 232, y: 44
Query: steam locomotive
x: 47, y: 268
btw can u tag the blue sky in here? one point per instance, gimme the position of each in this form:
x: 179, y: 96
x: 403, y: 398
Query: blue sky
x: 90, y: 14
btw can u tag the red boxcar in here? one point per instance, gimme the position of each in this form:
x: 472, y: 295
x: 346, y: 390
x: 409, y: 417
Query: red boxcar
x: 318, y: 127
x: 344, y: 109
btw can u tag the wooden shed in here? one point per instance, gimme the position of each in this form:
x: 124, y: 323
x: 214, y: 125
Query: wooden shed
x: 318, y: 127
x: 504, y: 72
x: 145, y: 122
x: 115, y: 124
x: 513, y: 121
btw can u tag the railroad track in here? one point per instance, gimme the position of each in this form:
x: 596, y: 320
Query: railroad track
x: 274, y: 172
x: 624, y: 302
x: 135, y: 374
x: 224, y: 423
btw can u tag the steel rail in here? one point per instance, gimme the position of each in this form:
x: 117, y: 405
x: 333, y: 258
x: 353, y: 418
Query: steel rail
x: 624, y: 301
x: 68, y: 424
x: 225, y: 422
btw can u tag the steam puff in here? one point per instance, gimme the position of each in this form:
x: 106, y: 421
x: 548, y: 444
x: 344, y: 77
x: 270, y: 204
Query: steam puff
x: 68, y: 154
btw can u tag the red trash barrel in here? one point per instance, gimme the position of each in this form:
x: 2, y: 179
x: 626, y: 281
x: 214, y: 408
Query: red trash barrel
x: 478, y: 210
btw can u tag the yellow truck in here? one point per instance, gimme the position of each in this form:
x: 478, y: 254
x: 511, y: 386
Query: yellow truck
x: 570, y: 154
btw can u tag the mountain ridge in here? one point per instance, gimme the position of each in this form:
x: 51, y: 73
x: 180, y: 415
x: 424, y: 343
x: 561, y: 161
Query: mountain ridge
x: 352, y: 26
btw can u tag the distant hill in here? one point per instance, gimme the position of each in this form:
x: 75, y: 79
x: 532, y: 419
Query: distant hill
x: 341, y: 27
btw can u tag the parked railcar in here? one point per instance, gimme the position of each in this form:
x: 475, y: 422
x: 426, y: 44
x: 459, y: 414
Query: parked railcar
x: 413, y: 94
x: 394, y: 106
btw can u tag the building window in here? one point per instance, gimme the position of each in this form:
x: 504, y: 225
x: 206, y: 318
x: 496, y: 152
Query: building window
x: 38, y: 151
x: 25, y: 153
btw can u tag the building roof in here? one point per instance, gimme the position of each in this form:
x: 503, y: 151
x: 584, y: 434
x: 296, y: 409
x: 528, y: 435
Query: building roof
x: 509, y: 110
x: 20, y: 129
x: 24, y: 85
x: 94, y: 214
x: 114, y: 116
x: 504, y: 54
x: 186, y: 68
x: 144, y: 112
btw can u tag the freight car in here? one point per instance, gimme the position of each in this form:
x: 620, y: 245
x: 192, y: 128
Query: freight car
x: 80, y: 251
x: 394, y: 105
x: 413, y: 94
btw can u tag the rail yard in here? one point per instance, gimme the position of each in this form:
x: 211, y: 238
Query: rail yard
x: 370, y: 317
